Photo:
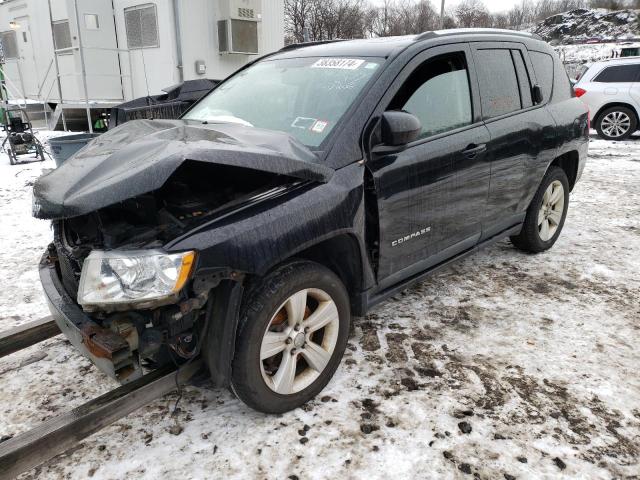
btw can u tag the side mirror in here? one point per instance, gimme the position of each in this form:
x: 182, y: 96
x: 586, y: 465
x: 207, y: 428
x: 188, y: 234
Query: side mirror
x: 399, y: 128
x: 536, y: 95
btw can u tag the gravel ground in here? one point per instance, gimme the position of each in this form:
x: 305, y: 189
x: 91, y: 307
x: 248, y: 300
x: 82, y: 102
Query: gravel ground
x: 506, y: 365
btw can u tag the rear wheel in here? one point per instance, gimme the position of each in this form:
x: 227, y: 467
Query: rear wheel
x: 292, y: 334
x: 616, y: 123
x: 546, y: 213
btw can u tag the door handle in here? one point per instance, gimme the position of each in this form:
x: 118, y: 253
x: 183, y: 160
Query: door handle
x: 472, y: 150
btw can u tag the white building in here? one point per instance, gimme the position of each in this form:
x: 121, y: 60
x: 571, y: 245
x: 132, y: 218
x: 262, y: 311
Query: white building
x: 129, y: 48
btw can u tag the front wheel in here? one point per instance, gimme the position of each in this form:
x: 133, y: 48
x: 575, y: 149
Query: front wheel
x: 293, y: 331
x: 546, y: 213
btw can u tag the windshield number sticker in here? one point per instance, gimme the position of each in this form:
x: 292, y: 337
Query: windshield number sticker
x: 319, y: 126
x: 339, y: 63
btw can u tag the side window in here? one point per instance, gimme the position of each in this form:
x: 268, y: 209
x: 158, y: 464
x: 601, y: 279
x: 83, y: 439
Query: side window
x: 438, y: 93
x: 618, y: 74
x: 91, y: 21
x: 499, y: 87
x: 543, y: 68
x: 523, y: 78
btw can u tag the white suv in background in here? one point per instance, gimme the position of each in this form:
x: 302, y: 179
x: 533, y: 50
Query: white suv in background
x: 611, y: 90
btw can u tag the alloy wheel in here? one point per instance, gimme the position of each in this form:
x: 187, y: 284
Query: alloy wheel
x: 616, y: 124
x: 299, y: 341
x: 550, y: 214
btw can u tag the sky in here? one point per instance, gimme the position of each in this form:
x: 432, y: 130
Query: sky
x: 494, y: 6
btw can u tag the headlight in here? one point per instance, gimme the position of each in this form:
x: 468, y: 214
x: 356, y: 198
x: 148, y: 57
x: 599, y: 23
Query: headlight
x: 141, y: 277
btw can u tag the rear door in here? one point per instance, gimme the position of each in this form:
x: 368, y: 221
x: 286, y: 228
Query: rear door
x: 432, y: 195
x: 634, y: 91
x: 522, y: 134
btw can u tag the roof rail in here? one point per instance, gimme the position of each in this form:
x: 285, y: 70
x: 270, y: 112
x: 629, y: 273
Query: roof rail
x: 308, y: 44
x: 619, y: 59
x: 470, y: 31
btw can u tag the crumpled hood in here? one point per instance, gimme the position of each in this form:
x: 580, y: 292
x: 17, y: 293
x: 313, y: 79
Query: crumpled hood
x: 139, y: 156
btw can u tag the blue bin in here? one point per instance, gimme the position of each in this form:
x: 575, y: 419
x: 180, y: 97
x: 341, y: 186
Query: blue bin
x: 63, y: 147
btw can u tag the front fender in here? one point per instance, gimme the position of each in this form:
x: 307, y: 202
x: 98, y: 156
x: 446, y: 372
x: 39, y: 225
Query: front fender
x: 254, y: 240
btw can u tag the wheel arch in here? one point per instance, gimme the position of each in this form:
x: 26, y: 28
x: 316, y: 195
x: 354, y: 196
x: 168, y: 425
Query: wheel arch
x: 342, y: 254
x: 569, y: 162
x: 606, y: 106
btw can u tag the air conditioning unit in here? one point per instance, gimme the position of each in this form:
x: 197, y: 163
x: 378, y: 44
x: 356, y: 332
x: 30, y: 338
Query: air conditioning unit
x: 238, y: 26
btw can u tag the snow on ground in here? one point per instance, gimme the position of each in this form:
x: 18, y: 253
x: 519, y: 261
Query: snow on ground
x: 587, y: 53
x: 537, y: 355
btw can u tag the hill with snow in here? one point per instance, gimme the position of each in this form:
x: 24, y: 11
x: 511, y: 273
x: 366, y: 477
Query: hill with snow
x: 580, y: 25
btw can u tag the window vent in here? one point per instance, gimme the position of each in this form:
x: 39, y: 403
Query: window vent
x: 244, y: 36
x: 246, y: 12
x: 141, y: 23
x: 61, y: 35
x: 9, y: 44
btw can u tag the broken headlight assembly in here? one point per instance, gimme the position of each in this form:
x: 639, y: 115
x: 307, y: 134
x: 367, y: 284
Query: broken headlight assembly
x: 142, y: 278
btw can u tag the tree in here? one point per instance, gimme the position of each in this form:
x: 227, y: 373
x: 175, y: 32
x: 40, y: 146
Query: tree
x: 500, y: 20
x: 324, y: 19
x: 472, y: 13
x: 295, y: 19
x: 401, y: 17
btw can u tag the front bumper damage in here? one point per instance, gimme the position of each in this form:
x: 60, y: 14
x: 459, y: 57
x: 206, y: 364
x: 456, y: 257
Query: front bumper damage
x: 114, y: 353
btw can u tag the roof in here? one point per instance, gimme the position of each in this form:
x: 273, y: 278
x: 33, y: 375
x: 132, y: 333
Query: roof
x: 369, y: 47
x: 384, y: 46
x: 618, y: 60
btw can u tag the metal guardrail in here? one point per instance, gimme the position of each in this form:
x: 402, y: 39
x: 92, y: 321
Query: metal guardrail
x: 26, y: 335
x: 56, y: 435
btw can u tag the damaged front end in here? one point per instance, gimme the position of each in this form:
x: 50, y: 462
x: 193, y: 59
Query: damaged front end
x: 119, y: 294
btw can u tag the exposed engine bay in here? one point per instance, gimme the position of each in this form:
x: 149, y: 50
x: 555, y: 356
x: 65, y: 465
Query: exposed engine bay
x: 194, y: 194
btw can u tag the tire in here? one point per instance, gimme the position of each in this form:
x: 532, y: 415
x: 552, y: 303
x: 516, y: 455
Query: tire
x: 617, y: 123
x: 546, y: 214
x: 269, y: 308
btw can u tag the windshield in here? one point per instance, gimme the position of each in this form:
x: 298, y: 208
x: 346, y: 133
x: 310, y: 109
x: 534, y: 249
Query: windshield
x: 304, y: 97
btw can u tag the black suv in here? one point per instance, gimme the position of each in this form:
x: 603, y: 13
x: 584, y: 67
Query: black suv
x: 303, y: 190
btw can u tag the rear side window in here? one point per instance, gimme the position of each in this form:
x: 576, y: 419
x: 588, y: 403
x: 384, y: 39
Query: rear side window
x: 581, y: 71
x: 498, y: 82
x: 618, y: 74
x: 543, y: 67
x: 438, y: 93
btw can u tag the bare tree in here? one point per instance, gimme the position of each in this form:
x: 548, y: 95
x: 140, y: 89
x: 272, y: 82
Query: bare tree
x: 401, y: 17
x: 500, y: 20
x: 296, y: 16
x: 324, y: 19
x: 472, y: 13
x: 329, y: 19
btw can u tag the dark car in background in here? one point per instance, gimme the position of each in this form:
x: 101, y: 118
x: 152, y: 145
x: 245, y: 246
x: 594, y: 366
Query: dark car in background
x: 302, y: 191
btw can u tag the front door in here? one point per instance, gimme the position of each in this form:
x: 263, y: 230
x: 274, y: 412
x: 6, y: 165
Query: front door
x: 432, y: 195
